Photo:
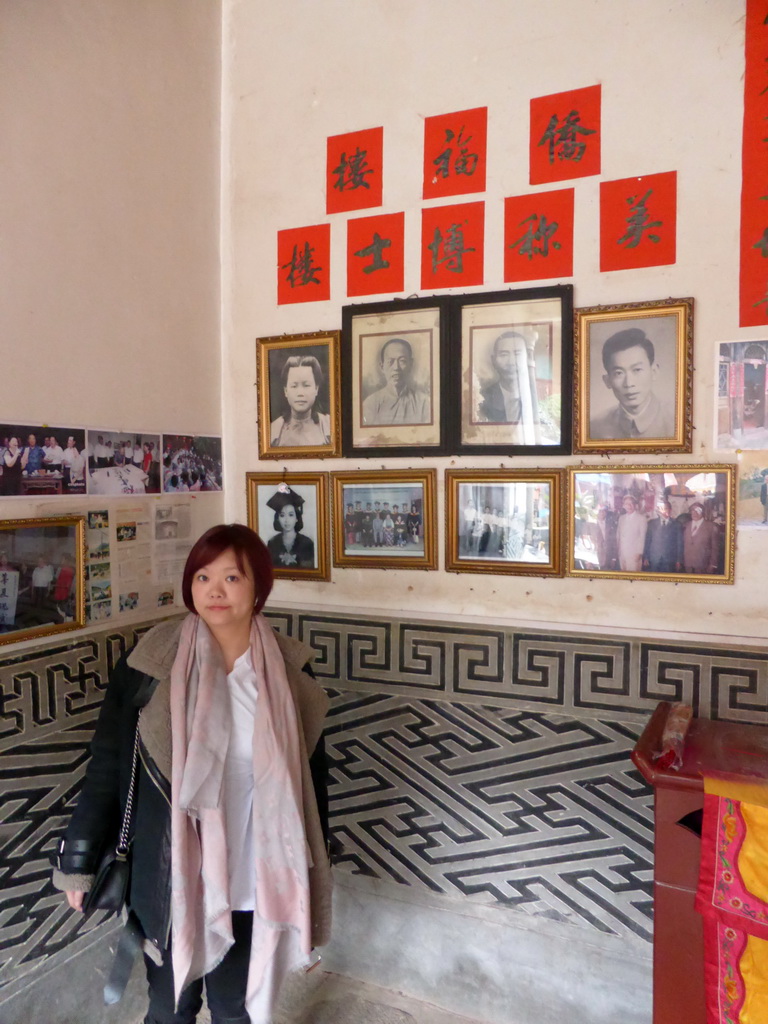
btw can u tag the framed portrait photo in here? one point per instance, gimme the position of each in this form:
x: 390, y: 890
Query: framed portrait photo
x: 289, y: 511
x: 298, y: 381
x: 511, y: 380
x: 42, y: 577
x: 504, y: 521
x: 634, y: 377
x: 394, y: 364
x: 385, y: 519
x: 672, y: 523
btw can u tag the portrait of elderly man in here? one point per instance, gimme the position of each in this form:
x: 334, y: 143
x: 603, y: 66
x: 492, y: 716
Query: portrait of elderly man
x: 504, y: 399
x: 400, y: 400
x: 631, y: 370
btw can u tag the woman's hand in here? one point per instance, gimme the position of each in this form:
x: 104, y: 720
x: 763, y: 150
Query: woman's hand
x: 75, y: 899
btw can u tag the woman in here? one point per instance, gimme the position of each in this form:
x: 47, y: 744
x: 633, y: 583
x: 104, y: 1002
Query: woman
x: 230, y: 882
x: 301, y: 424
x: 10, y: 481
x: 289, y: 547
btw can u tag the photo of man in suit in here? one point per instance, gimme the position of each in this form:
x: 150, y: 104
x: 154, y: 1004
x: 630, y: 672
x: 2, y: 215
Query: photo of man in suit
x: 501, y: 400
x: 701, y: 542
x: 663, y: 551
x: 631, y: 370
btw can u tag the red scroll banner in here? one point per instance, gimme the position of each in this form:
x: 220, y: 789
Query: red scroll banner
x: 753, y: 284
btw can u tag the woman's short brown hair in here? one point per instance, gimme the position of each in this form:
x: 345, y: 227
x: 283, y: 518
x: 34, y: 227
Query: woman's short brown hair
x: 249, y: 551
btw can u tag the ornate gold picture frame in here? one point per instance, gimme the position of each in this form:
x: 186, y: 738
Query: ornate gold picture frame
x: 42, y: 577
x: 634, y: 377
x: 289, y: 511
x: 504, y: 521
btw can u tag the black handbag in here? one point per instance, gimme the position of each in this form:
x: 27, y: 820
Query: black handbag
x: 110, y: 885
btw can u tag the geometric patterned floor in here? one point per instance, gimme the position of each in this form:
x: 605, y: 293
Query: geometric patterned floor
x: 536, y: 811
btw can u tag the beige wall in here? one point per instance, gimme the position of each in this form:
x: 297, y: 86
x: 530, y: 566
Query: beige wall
x: 671, y: 74
x: 109, y: 265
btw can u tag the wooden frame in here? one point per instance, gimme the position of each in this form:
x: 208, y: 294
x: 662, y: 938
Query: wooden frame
x: 308, y: 429
x: 42, y: 577
x: 401, y: 541
x: 504, y: 521
x: 650, y: 348
x: 394, y: 357
x: 306, y: 556
x: 603, y: 541
x: 503, y: 339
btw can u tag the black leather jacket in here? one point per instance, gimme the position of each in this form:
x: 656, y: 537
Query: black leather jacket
x: 95, y: 823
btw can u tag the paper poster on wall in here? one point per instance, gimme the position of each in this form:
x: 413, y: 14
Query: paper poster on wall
x: 375, y: 254
x: 98, y: 567
x: 752, y: 504
x: 304, y: 264
x: 565, y: 135
x: 354, y: 170
x: 39, y: 459
x: 133, y: 557
x: 452, y: 242
x: 753, y: 284
x: 741, y: 415
x: 538, y: 236
x: 191, y: 464
x: 123, y: 462
x: 638, y: 221
x: 172, y: 543
x: 455, y: 153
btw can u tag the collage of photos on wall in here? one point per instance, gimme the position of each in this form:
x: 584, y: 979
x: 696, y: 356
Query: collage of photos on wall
x: 40, y: 460
x: 509, y: 373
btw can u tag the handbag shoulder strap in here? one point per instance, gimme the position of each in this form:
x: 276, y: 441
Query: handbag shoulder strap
x: 123, y: 842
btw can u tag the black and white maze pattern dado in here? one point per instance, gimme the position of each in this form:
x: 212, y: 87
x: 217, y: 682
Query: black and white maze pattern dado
x: 536, y: 811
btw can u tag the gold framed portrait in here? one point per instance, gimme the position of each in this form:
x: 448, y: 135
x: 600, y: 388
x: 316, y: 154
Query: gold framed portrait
x: 289, y: 511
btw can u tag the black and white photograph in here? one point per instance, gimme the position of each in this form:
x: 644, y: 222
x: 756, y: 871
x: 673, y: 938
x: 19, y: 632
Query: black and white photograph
x: 289, y: 513
x: 634, y: 377
x: 123, y: 462
x: 41, y: 460
x: 191, y: 463
x: 42, y: 588
x: 393, y: 359
x: 504, y: 521
x: 385, y: 518
x: 298, y: 395
x: 514, y: 382
x: 644, y: 522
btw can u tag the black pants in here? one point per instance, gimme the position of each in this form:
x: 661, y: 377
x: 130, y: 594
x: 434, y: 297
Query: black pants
x: 224, y: 986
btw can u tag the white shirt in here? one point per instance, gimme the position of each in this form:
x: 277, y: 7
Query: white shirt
x: 238, y: 785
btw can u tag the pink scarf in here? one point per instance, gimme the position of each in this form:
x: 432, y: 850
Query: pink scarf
x: 200, y: 725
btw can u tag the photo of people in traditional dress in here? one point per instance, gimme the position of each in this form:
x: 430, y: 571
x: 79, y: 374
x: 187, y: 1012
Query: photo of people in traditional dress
x: 511, y: 375
x: 385, y: 519
x: 633, y: 369
x: 191, y: 463
x: 654, y: 522
x: 37, y: 577
x: 287, y: 521
x: 396, y: 378
x: 123, y: 462
x: 41, y: 460
x: 505, y: 521
x: 299, y: 400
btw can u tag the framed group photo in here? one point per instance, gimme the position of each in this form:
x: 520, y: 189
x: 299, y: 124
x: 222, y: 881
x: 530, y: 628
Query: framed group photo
x: 504, y: 521
x: 385, y: 519
x: 298, y: 383
x: 652, y: 522
x: 42, y: 577
x: 394, y: 363
x: 289, y: 511
x: 512, y: 376
x: 634, y: 377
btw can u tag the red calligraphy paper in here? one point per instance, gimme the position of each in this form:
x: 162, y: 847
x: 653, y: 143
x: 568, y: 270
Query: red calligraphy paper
x: 375, y: 254
x: 753, y: 278
x: 452, y: 239
x: 565, y: 135
x: 354, y: 170
x: 538, y: 236
x: 638, y: 221
x: 304, y: 264
x: 455, y: 153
